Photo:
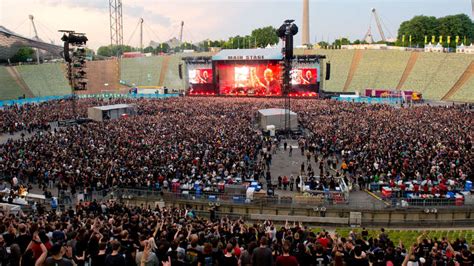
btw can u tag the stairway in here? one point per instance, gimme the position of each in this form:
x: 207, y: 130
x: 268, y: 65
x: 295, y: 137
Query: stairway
x: 355, y: 63
x: 164, y: 70
x: 19, y: 80
x: 410, y: 65
x: 463, y: 79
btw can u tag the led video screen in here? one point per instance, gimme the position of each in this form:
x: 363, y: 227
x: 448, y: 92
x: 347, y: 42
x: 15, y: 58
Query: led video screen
x: 303, y: 76
x: 304, y: 79
x: 200, y: 76
x: 200, y: 81
x: 250, y: 79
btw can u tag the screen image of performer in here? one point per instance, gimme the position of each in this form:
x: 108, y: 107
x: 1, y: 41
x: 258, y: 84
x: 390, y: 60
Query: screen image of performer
x: 270, y: 84
x: 203, y: 77
x: 308, y: 78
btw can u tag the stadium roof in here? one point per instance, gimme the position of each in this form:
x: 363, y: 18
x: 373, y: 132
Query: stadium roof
x: 11, y: 42
x: 248, y: 54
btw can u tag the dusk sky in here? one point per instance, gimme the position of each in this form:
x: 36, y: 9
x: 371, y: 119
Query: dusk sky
x: 215, y: 19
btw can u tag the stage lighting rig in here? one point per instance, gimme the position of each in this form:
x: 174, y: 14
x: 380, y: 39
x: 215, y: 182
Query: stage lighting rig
x: 286, y: 32
x: 75, y: 57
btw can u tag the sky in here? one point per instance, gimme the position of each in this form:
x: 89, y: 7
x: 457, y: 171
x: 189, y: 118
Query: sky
x: 215, y: 19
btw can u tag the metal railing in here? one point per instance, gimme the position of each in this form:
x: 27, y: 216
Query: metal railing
x: 332, y: 200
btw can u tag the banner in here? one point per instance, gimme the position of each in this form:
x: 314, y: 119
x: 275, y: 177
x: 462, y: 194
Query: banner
x: 433, y: 39
x: 426, y: 39
x: 403, y: 38
x: 441, y: 39
x: 449, y: 40
x: 457, y: 39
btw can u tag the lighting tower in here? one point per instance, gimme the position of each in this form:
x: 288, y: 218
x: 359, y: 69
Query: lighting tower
x: 286, y: 33
x: 305, y: 35
x: 35, y: 37
x: 116, y: 30
x: 116, y: 22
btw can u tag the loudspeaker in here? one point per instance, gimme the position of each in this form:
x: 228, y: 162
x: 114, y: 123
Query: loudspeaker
x: 180, y: 71
x: 328, y: 71
x: 67, y: 57
x: 165, y: 90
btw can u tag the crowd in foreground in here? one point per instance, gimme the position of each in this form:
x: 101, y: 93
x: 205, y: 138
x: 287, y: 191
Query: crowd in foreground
x: 112, y: 234
x: 207, y: 141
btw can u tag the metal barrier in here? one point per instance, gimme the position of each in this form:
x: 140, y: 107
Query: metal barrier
x: 329, y: 200
x: 369, y: 100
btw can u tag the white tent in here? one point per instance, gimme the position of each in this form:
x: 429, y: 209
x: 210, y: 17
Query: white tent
x: 276, y: 117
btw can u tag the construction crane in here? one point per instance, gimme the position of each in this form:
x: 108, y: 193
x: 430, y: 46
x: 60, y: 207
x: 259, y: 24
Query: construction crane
x: 379, y: 24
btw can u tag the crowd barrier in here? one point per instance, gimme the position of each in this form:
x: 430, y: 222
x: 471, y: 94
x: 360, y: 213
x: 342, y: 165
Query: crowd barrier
x: 85, y: 96
x: 335, y: 200
x: 368, y: 100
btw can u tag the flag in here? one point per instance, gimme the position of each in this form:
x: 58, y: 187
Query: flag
x: 161, y: 46
x: 426, y: 39
x: 403, y: 38
x: 441, y: 38
x: 410, y: 37
x: 449, y: 40
x: 457, y: 39
x: 209, y: 43
x: 465, y: 43
x: 433, y: 39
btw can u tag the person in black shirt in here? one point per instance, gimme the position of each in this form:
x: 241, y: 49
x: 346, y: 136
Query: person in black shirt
x: 99, y: 259
x: 115, y: 259
x: 228, y: 259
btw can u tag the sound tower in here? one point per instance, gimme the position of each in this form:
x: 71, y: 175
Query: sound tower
x: 180, y: 71
x: 328, y: 70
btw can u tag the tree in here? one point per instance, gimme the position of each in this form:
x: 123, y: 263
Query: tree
x: 458, y: 25
x: 420, y: 26
x: 24, y: 54
x: 341, y: 41
x: 114, y: 50
x: 148, y: 49
x: 264, y: 36
x: 323, y: 44
x: 417, y: 27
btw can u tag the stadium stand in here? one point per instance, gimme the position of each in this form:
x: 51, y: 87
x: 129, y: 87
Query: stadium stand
x: 340, y: 64
x: 408, y: 69
x: 100, y: 73
x: 172, y: 79
x: 379, y: 69
x: 466, y: 92
x: 468, y: 73
x: 142, y: 71
x: 434, y: 74
x: 9, y: 89
x: 45, y: 79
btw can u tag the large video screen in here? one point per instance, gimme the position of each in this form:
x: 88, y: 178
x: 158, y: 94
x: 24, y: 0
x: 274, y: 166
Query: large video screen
x: 304, y: 76
x: 304, y: 79
x: 200, y: 76
x: 250, y: 79
x: 200, y: 80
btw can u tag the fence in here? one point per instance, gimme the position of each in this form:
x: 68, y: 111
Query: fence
x: 333, y: 200
x: 369, y: 100
x: 85, y: 96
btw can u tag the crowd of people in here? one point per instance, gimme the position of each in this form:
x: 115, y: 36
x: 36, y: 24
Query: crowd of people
x: 209, y: 140
x: 424, y: 149
x: 112, y: 234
